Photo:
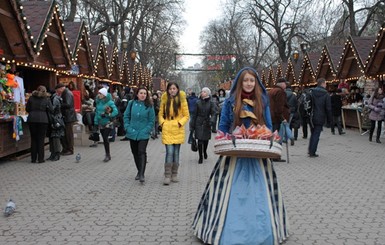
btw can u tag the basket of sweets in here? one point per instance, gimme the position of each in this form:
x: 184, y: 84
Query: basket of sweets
x: 253, y: 142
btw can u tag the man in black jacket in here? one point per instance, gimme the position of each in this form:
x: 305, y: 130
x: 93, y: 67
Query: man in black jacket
x: 69, y: 116
x: 321, y: 111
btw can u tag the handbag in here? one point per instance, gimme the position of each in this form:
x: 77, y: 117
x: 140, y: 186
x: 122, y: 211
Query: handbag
x: 94, y: 136
x: 194, y: 145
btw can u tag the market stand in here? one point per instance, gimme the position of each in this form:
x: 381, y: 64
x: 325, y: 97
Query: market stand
x: 82, y: 70
x: 351, y: 68
x: 15, y: 47
x: 32, y: 43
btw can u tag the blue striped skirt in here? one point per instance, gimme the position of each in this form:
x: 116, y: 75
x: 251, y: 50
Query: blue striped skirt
x: 242, y: 204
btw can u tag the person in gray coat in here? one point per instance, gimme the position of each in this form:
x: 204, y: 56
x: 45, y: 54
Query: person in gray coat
x: 376, y: 104
x: 69, y: 116
x: 202, y: 118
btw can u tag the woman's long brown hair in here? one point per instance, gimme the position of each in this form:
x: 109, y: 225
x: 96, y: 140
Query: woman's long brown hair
x: 177, y: 103
x: 258, y: 107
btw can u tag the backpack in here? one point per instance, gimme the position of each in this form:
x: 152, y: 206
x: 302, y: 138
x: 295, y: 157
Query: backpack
x: 306, y: 102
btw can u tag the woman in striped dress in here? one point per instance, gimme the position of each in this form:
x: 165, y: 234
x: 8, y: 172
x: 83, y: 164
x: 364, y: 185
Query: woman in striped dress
x: 242, y: 202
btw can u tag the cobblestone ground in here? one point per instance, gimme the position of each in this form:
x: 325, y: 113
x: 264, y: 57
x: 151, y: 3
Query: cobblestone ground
x: 337, y: 198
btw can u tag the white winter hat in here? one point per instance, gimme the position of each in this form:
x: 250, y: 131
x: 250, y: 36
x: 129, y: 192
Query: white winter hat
x: 103, y: 91
x: 207, y: 90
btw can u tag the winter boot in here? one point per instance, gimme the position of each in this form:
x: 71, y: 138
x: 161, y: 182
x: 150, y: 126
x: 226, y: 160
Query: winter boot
x: 378, y: 134
x: 136, y: 160
x: 167, y: 173
x: 142, y: 166
x: 56, y: 156
x: 200, y: 151
x: 174, y: 172
x: 205, y: 145
x: 107, y: 158
x: 51, y: 157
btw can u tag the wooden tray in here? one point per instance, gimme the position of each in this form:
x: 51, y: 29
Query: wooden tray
x: 248, y: 148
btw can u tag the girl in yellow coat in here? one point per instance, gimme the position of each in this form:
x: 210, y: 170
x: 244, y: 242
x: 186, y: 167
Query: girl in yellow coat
x: 173, y: 115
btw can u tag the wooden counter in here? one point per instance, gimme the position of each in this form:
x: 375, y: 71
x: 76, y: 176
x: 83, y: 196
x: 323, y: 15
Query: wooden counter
x: 351, y: 117
x: 9, y: 145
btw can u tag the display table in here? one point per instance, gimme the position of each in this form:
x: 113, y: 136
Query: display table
x: 351, y: 117
x: 9, y: 145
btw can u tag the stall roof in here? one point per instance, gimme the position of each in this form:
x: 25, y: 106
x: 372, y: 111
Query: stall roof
x: 271, y: 72
x: 123, y: 67
x: 351, y: 65
x: 79, y: 43
x: 281, y: 70
x: 307, y: 74
x: 47, y: 28
x: 113, y: 62
x: 99, y: 56
x: 293, y: 70
x: 15, y: 37
x: 327, y: 64
x: 375, y: 64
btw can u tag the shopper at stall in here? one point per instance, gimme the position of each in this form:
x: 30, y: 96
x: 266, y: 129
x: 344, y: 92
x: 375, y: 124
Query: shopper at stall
x: 294, y: 119
x: 376, y: 104
x: 336, y: 103
x: 173, y: 115
x: 105, y: 113
x: 56, y: 128
x: 69, y: 116
x: 139, y: 120
x: 200, y: 124
x: 38, y: 107
x: 242, y: 202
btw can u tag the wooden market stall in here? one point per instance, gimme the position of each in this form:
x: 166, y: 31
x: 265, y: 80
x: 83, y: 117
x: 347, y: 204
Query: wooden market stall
x: 82, y: 68
x: 50, y: 44
x: 34, y: 45
x: 375, y: 64
x: 15, y: 48
x: 351, y: 68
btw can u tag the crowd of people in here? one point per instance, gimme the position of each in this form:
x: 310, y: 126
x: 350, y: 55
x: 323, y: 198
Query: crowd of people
x: 242, y: 202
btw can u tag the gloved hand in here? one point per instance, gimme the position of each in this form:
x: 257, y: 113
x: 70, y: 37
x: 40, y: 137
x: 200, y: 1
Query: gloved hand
x: 103, y: 115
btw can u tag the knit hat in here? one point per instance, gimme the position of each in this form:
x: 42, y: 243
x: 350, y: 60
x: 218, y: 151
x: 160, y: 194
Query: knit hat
x: 207, y: 90
x: 103, y: 91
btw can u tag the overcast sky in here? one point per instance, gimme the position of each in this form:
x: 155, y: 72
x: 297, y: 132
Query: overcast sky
x: 197, y: 15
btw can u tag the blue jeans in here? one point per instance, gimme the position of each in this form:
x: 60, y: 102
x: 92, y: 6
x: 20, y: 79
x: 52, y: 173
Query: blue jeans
x: 314, y: 138
x: 172, y: 153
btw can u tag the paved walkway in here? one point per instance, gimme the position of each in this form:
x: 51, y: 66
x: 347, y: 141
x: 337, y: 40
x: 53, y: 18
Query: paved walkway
x: 337, y: 198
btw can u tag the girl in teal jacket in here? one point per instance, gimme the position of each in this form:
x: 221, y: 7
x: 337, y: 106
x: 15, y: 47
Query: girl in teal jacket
x: 139, y: 119
x: 105, y: 112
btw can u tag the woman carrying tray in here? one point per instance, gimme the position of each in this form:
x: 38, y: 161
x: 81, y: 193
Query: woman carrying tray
x: 242, y: 202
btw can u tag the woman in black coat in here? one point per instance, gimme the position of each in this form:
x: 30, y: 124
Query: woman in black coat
x: 201, y: 121
x: 38, y: 107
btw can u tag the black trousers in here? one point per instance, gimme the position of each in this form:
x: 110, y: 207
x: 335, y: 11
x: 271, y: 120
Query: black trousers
x: 139, y: 151
x: 38, y: 134
x: 105, y: 132
x: 68, y: 140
